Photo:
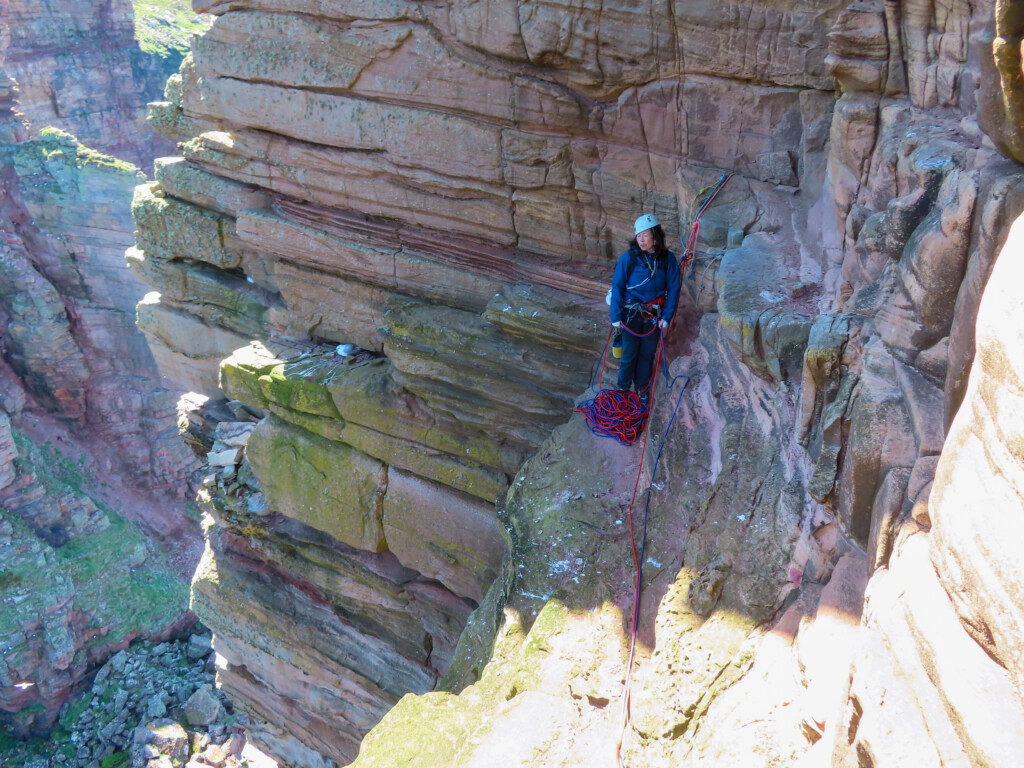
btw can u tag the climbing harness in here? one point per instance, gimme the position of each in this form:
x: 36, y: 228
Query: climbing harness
x: 623, y: 416
x: 649, y: 311
x: 617, y: 413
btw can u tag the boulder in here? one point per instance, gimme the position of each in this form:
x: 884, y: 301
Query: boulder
x: 199, y: 646
x: 168, y: 739
x: 202, y: 708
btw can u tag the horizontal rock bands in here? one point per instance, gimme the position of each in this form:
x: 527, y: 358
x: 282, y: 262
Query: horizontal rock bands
x: 578, y: 278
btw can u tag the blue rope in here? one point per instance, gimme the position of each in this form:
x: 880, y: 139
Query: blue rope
x: 647, y: 502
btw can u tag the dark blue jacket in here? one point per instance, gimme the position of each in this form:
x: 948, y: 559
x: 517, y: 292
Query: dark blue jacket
x: 648, y: 279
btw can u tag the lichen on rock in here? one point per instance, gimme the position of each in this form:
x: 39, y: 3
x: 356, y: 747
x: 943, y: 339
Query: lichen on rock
x: 446, y: 190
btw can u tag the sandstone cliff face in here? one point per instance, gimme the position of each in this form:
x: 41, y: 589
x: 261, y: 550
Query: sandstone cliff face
x: 81, y: 69
x: 385, y: 244
x: 88, y: 434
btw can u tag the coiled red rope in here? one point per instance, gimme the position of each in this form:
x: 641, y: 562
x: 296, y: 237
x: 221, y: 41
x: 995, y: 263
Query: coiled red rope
x: 618, y: 413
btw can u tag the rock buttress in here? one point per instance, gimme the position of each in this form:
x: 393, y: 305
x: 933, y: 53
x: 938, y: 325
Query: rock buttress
x: 447, y: 190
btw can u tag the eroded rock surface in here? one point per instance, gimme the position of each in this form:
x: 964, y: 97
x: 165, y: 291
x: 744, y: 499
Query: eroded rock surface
x: 387, y: 237
x: 84, y: 72
x: 87, y: 434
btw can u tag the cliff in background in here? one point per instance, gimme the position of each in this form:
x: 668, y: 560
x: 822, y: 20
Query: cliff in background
x: 98, y: 533
x: 385, y: 245
x: 87, y: 71
x: 90, y: 558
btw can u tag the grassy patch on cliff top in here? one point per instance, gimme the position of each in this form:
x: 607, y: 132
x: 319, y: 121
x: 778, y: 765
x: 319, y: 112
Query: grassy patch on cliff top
x: 164, y: 27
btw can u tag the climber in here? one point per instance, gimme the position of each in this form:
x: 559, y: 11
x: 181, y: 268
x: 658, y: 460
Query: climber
x: 644, y: 295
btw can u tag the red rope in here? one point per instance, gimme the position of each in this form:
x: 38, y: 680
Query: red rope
x: 691, y: 246
x: 627, y: 687
x: 691, y: 241
x: 618, y: 413
x: 622, y: 416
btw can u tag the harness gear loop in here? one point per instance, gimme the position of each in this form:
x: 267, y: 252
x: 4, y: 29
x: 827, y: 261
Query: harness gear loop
x: 648, y: 311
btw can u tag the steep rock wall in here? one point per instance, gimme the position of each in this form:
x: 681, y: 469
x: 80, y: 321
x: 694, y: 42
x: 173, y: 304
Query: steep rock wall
x: 445, y: 188
x: 87, y: 434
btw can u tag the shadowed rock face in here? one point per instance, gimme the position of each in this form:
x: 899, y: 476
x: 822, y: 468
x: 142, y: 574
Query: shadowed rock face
x: 84, y: 72
x: 87, y: 432
x: 447, y: 188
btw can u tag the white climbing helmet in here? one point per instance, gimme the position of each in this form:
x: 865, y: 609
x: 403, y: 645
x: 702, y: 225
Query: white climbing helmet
x: 645, y: 222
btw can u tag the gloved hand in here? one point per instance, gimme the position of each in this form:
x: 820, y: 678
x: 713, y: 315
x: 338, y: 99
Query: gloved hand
x: 663, y: 324
x: 616, y: 324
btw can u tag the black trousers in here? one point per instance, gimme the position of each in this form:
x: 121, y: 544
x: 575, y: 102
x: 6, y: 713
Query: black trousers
x: 637, y: 361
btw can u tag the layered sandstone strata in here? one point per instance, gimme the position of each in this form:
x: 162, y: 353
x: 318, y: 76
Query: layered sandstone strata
x: 82, y: 70
x: 446, y: 189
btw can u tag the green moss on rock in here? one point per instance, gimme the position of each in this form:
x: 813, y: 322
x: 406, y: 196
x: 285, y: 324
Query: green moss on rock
x: 301, y: 385
x: 326, y: 485
x: 172, y: 229
x: 241, y: 371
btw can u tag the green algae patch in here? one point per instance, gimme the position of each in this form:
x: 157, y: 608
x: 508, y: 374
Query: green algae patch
x: 367, y: 395
x: 419, y: 732
x: 241, y: 371
x: 477, y: 640
x: 546, y: 636
x: 88, y: 580
x: 326, y: 485
x: 170, y: 229
x: 301, y: 385
x: 55, y: 167
x: 218, y: 296
x: 329, y: 429
x: 463, y: 475
x: 56, y: 145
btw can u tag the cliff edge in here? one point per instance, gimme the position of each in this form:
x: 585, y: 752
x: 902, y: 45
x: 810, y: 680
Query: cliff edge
x: 382, y: 254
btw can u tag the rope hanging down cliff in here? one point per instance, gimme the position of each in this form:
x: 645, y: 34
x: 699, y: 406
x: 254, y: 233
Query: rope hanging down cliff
x: 623, y: 416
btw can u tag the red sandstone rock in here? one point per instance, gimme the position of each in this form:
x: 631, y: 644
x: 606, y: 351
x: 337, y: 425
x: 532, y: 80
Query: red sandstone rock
x: 83, y: 72
x: 389, y: 175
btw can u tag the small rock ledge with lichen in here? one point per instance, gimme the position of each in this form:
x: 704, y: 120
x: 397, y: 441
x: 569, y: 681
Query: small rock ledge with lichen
x: 381, y: 256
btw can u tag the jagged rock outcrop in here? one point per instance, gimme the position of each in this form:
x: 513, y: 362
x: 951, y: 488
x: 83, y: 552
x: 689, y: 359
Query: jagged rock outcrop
x: 445, y: 189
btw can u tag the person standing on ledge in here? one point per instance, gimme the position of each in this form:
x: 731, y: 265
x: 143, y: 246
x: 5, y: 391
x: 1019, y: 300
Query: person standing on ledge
x: 645, y: 292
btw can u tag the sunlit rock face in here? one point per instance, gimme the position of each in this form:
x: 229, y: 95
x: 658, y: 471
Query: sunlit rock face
x: 69, y: 307
x: 386, y: 239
